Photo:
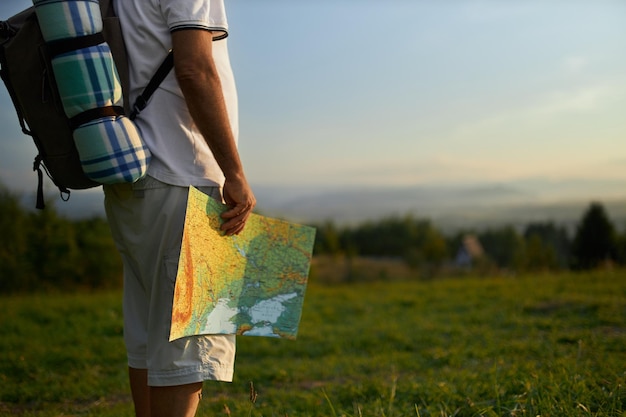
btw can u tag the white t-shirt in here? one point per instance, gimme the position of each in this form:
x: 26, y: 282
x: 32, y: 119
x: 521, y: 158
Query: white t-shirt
x: 180, y: 155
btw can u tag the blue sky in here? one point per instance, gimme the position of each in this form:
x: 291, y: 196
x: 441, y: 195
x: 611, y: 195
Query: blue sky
x: 407, y: 92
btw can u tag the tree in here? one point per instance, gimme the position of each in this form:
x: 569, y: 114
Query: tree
x: 548, y: 237
x: 99, y: 263
x: 416, y: 241
x: 327, y: 239
x: 505, y: 246
x: 52, y: 249
x: 539, y: 255
x: 621, y: 248
x: 15, y: 271
x: 428, y: 249
x: 42, y: 251
x: 595, y: 240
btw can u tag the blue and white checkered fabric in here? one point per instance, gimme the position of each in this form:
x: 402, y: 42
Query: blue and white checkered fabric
x: 87, y: 79
x: 110, y: 148
x: 62, y: 19
x: 120, y: 158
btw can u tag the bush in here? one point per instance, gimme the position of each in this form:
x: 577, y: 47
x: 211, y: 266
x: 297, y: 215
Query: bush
x: 42, y: 251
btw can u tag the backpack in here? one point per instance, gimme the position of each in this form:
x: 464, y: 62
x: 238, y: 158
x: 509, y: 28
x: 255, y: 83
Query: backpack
x: 26, y: 67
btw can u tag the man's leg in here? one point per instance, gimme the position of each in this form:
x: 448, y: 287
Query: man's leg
x: 175, y: 401
x: 149, y: 219
x: 140, y: 391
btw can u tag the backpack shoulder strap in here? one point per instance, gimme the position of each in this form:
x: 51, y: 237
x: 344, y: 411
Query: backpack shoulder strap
x: 113, y: 35
x: 112, y: 32
x: 106, y: 8
x: 142, y: 101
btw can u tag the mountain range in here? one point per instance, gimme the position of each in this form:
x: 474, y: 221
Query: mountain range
x: 449, y: 206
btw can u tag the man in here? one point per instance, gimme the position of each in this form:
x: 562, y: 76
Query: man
x: 190, y: 127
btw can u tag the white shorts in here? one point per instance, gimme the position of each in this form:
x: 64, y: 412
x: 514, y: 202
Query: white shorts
x: 147, y: 220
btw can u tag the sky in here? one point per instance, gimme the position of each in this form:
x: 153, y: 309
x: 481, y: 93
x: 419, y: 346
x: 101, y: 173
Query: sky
x: 353, y: 93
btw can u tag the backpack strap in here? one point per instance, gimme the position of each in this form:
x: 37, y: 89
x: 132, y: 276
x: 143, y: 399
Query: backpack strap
x: 142, y: 101
x: 96, y: 113
x: 62, y: 46
x: 39, y: 166
x: 106, y: 8
x: 108, y: 13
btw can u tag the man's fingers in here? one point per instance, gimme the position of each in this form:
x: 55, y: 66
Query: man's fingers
x: 234, y: 226
x: 235, y: 219
x: 241, y: 201
x: 238, y: 210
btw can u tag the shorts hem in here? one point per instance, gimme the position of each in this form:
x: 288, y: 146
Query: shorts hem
x: 137, y: 363
x: 190, y: 375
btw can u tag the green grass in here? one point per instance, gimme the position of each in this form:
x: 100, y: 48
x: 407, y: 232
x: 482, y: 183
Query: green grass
x: 549, y: 345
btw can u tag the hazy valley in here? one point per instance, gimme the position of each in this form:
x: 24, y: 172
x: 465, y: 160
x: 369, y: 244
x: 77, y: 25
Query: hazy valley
x: 450, y: 207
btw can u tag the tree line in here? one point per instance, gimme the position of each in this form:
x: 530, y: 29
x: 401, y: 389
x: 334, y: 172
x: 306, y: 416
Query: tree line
x: 537, y: 246
x: 43, y: 250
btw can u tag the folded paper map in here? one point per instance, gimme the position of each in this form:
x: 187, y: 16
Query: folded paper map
x: 252, y: 284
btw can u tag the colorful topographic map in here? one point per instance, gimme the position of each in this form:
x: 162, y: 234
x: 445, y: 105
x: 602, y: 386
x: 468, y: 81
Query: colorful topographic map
x: 252, y: 284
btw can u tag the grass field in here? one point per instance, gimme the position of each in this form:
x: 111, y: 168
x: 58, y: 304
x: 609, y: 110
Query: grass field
x: 549, y: 345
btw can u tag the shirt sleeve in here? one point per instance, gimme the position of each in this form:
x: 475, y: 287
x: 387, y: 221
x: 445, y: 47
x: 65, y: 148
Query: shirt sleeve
x: 196, y: 14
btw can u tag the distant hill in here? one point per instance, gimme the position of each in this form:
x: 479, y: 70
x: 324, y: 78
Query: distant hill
x: 453, y: 206
x: 450, y: 207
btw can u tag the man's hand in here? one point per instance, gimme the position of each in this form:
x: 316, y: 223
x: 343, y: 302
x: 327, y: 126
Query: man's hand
x: 238, y: 196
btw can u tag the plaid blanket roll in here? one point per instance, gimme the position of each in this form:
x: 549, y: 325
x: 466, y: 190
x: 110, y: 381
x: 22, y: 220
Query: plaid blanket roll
x: 110, y: 148
x: 87, y: 79
x: 62, y: 19
x: 120, y: 158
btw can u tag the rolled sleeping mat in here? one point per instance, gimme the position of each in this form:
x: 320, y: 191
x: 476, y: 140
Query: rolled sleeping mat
x: 108, y: 143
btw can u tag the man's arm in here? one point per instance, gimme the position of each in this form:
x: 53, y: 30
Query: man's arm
x: 201, y: 86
